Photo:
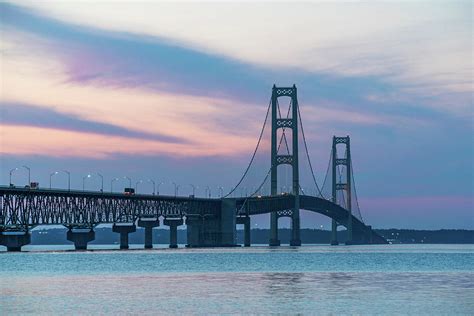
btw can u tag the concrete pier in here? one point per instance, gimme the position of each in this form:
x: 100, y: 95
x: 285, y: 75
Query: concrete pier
x: 213, y: 230
x: 274, y: 241
x: 295, y: 228
x: 80, y: 237
x: 173, y: 223
x: 124, y: 229
x: 194, y: 230
x: 148, y: 224
x: 14, y: 240
x: 245, y: 220
x: 334, y: 241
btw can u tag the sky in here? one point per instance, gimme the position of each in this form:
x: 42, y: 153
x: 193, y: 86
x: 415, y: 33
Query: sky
x: 178, y: 91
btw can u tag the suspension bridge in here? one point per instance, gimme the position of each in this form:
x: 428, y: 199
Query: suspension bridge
x: 276, y: 181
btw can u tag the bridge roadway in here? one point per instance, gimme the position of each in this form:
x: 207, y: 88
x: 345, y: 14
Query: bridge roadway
x: 210, y: 221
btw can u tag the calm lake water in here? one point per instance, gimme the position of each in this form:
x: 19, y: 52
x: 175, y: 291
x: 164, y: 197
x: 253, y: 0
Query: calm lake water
x: 386, y: 279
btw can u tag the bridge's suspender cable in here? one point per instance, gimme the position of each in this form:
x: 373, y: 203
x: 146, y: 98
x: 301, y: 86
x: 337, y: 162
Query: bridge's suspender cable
x: 307, y: 154
x: 255, y: 192
x: 326, y: 176
x: 254, y: 153
x: 355, y: 193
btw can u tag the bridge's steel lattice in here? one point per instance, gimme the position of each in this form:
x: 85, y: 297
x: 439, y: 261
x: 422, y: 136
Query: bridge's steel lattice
x: 23, y: 209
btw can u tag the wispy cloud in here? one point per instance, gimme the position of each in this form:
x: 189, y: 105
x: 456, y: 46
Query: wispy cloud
x: 124, y: 60
x: 408, y: 43
x: 18, y: 114
x: 20, y: 140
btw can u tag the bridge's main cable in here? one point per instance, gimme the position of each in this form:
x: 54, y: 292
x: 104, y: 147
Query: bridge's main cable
x: 254, y: 153
x: 307, y: 154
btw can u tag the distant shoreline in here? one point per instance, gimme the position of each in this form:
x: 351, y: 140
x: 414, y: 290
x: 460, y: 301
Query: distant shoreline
x: 105, y: 236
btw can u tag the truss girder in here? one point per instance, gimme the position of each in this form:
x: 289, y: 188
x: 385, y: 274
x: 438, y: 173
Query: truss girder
x: 28, y: 208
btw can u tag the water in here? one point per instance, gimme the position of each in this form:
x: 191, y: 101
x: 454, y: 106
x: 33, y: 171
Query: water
x: 386, y: 279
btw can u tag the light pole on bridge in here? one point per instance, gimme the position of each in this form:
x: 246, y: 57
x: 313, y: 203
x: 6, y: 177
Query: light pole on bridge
x: 136, y: 185
x: 68, y: 179
x: 112, y: 184
x: 51, y: 178
x: 11, y: 171
x: 158, y: 188
x: 84, y: 181
x: 101, y: 182
x: 129, y: 181
x: 154, y: 185
x: 176, y: 188
x: 194, y: 188
x: 208, y: 191
x: 221, y: 190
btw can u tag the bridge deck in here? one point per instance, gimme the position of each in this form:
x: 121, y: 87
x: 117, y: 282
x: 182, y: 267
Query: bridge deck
x: 23, y: 207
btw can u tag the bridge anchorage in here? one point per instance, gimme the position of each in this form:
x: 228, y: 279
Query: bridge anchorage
x: 210, y: 222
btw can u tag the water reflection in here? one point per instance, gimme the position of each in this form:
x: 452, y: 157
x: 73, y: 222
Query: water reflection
x: 288, y: 283
x: 256, y: 281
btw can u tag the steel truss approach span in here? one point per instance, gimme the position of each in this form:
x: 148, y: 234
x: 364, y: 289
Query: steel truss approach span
x: 210, y: 221
x: 29, y: 208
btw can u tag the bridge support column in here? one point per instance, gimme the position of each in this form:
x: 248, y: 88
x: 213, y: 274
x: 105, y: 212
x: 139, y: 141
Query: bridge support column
x: 334, y: 241
x: 295, y: 229
x: 148, y: 224
x: 247, y: 233
x: 194, y: 227
x: 15, y: 240
x: 350, y: 238
x: 274, y: 241
x: 173, y: 223
x: 245, y: 220
x: 80, y: 237
x: 227, y: 223
x: 369, y: 237
x: 124, y: 229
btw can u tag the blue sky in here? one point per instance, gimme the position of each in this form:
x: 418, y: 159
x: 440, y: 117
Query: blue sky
x: 177, y: 92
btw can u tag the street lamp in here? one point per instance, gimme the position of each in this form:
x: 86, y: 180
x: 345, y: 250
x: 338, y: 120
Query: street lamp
x: 208, y: 191
x: 101, y: 182
x: 194, y: 188
x: 158, y: 187
x: 176, y: 188
x: 11, y: 171
x: 51, y: 177
x: 154, y: 185
x: 68, y: 179
x: 112, y: 184
x: 129, y: 181
x: 29, y: 174
x: 84, y: 181
x: 136, y: 185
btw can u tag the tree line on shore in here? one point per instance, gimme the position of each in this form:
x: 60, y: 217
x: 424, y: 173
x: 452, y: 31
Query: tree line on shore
x: 104, y: 235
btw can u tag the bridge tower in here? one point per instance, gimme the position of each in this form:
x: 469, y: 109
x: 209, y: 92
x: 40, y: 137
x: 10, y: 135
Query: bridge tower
x: 290, y: 159
x: 341, y: 185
